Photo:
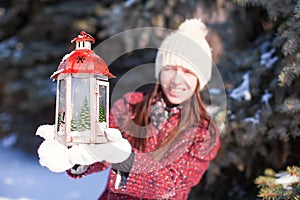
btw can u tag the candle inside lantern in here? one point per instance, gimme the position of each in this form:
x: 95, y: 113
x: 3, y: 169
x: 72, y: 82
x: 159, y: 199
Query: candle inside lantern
x: 82, y: 100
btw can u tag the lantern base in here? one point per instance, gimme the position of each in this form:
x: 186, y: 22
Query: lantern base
x: 81, y: 138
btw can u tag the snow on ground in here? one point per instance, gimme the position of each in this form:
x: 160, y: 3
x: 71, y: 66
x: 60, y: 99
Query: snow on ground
x: 22, y: 178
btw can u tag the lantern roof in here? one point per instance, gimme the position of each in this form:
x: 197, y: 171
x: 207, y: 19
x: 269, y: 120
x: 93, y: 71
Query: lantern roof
x: 83, y: 36
x: 82, y: 60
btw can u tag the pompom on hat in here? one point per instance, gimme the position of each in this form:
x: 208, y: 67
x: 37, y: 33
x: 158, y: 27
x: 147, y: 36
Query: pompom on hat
x: 188, y: 48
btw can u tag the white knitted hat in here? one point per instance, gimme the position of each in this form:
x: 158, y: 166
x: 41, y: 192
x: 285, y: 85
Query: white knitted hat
x: 188, y: 48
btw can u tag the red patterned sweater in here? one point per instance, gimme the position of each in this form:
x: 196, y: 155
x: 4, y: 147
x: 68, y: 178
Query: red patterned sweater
x: 172, y: 178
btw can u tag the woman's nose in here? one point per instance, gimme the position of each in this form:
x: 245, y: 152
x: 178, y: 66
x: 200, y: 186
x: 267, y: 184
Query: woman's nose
x: 177, y: 77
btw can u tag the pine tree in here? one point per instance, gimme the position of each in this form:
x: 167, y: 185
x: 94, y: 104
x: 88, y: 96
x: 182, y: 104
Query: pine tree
x: 287, y: 39
x: 73, y: 125
x: 101, y: 113
x: 286, y: 16
x: 84, y: 117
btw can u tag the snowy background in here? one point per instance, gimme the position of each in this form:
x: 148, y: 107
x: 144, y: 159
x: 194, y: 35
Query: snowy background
x: 22, y: 178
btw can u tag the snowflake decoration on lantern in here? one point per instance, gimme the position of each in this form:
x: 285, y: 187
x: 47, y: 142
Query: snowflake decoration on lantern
x: 80, y: 59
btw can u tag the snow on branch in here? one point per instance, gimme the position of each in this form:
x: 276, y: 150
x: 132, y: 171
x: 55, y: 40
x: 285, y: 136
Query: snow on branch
x: 243, y: 91
x: 265, y: 99
x: 267, y: 59
x: 254, y: 120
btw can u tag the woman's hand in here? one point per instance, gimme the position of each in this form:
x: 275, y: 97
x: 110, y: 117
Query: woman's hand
x: 59, y: 158
x: 116, y: 150
x: 52, y: 154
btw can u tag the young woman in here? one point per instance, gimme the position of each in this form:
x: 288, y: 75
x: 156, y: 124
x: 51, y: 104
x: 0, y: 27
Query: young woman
x: 162, y: 140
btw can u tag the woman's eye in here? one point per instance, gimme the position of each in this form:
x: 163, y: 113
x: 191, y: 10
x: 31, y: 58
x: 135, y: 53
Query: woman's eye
x: 188, y: 72
x: 168, y: 70
x: 168, y: 67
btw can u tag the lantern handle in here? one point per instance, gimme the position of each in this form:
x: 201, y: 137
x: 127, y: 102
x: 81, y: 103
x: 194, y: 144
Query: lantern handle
x: 84, y: 36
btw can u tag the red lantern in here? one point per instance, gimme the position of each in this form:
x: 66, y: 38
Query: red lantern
x: 82, y: 99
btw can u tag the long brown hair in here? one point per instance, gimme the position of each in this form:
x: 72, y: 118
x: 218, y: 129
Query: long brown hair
x: 193, y: 113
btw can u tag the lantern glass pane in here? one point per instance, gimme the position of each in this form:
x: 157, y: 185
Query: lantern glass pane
x: 61, y: 107
x: 102, y: 104
x: 80, y: 96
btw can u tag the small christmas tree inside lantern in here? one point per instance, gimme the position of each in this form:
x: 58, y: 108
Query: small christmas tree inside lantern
x: 82, y: 99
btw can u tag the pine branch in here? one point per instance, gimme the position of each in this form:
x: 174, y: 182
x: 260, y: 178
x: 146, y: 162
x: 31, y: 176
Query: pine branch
x: 294, y: 170
x: 297, y: 10
x: 274, y: 8
x: 284, y: 185
x: 291, y: 105
x: 289, y: 74
x: 248, y: 2
x: 291, y: 46
x: 269, y: 193
x: 265, y: 181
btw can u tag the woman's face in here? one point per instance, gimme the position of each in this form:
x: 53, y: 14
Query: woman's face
x: 178, y: 84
